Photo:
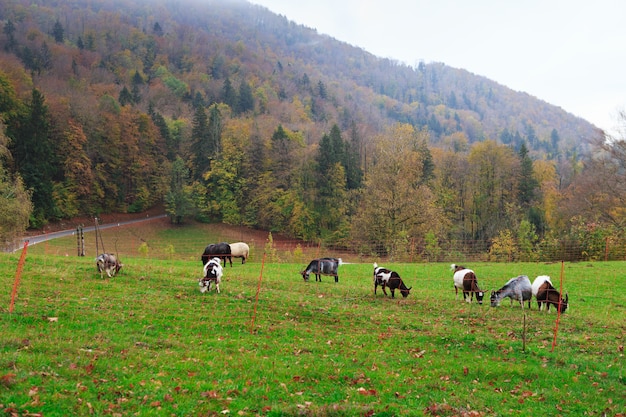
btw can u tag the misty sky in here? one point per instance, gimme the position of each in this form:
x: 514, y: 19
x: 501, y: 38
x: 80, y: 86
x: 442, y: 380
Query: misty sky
x: 571, y: 54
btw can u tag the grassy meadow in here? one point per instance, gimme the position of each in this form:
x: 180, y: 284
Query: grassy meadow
x: 148, y: 343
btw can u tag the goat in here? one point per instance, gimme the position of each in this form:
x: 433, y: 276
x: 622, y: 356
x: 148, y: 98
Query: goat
x: 546, y: 294
x: 240, y: 250
x: 388, y: 278
x: 322, y: 266
x: 517, y: 288
x: 212, y: 272
x: 466, y: 280
x: 107, y: 262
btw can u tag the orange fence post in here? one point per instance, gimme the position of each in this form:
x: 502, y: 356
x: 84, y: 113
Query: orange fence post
x: 558, y: 309
x: 258, y: 290
x: 18, y: 275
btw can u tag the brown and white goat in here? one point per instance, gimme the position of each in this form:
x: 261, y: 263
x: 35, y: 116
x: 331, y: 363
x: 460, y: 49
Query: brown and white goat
x: 466, y: 280
x: 546, y: 294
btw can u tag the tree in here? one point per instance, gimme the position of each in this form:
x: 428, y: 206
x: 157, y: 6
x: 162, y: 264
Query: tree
x: 554, y: 141
x: 57, y: 32
x: 321, y: 90
x: 45, y: 57
x: 35, y: 156
x: 9, y: 30
x: 172, y: 145
x: 15, y: 209
x: 156, y: 29
x: 526, y: 180
x: 492, y: 181
x: 245, y: 100
x: 229, y: 95
x: 352, y: 160
x: 282, y: 158
x: 178, y: 203
x: 599, y: 194
x: 200, y: 144
x: 72, y: 196
x: 206, y: 139
x: 396, y: 206
x: 125, y: 97
x: 15, y: 202
x: 137, y: 82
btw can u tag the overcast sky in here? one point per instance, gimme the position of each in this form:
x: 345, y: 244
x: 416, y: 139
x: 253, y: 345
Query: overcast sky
x: 569, y: 53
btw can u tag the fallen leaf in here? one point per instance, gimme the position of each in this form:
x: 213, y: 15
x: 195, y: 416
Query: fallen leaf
x: 209, y: 394
x: 7, y: 379
x: 364, y: 391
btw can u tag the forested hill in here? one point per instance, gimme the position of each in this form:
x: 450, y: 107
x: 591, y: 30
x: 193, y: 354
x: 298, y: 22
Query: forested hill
x: 202, y: 43
x: 228, y: 112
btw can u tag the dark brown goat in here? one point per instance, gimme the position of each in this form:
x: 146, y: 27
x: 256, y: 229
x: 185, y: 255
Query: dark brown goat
x: 466, y: 280
x: 547, y: 295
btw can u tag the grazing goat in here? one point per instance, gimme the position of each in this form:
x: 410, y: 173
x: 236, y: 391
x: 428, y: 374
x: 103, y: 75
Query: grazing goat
x: 466, y: 280
x: 389, y: 279
x: 107, y: 262
x: 220, y: 250
x: 240, y: 250
x: 322, y: 266
x: 517, y: 288
x: 212, y: 272
x: 546, y: 294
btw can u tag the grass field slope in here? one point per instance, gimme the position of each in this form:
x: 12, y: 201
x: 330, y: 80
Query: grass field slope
x: 148, y: 343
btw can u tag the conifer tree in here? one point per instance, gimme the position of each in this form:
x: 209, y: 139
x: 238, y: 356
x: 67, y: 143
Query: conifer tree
x: 57, y: 32
x: 527, y: 182
x: 35, y: 156
x: 245, y: 100
x: 200, y: 143
x: 229, y: 95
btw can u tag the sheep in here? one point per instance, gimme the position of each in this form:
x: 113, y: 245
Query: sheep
x: 221, y: 250
x: 465, y: 279
x: 240, y: 250
x: 546, y: 294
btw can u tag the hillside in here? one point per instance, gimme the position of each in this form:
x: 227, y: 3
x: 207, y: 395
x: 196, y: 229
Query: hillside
x: 226, y: 112
x: 203, y: 43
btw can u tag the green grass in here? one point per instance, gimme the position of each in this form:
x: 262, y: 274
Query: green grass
x: 147, y: 342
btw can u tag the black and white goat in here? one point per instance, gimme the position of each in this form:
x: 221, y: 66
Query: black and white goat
x: 517, y: 288
x: 465, y: 279
x: 212, y: 273
x: 107, y: 262
x: 546, y: 294
x: 389, y: 279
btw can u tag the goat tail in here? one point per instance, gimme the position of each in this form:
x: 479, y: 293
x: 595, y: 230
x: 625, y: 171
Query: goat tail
x: 340, y: 261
